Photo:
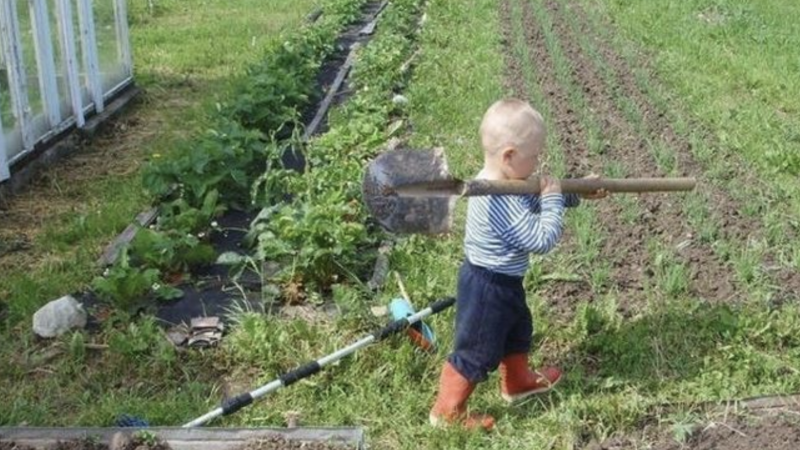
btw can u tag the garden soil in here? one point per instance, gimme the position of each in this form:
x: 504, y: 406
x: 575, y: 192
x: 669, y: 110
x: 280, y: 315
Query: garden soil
x: 780, y: 432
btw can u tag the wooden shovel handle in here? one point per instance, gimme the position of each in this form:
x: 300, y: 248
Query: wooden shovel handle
x: 579, y: 186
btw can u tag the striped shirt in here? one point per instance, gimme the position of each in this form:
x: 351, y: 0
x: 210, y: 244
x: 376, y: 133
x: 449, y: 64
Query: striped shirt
x: 503, y: 230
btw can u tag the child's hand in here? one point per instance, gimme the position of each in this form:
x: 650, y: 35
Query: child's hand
x: 598, y: 194
x: 549, y: 185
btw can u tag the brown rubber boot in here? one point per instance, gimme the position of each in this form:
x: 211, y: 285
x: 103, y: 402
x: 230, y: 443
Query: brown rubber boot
x: 451, y: 403
x: 518, y: 381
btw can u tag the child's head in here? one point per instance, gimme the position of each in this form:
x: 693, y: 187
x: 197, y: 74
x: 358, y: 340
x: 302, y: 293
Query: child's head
x: 513, y: 138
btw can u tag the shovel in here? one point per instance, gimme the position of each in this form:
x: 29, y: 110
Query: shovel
x: 412, y: 191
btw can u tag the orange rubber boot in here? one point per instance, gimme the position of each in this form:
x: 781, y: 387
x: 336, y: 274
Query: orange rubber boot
x: 518, y: 381
x: 451, y: 403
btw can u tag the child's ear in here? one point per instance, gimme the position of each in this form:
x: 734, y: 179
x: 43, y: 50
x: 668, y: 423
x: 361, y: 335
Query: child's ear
x: 508, y: 154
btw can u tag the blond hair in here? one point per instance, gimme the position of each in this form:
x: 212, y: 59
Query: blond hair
x: 511, y: 123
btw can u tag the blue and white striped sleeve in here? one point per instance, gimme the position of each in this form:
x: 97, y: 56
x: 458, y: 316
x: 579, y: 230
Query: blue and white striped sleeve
x: 572, y: 200
x: 511, y: 218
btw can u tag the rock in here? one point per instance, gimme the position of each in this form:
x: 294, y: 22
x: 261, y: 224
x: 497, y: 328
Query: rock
x: 379, y: 311
x: 119, y: 441
x: 400, y: 100
x: 58, y: 317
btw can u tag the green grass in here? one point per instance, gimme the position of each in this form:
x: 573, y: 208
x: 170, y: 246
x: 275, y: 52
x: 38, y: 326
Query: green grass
x: 721, y: 173
x: 206, y: 39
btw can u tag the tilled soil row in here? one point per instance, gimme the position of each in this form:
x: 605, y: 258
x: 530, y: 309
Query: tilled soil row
x: 561, y: 296
x: 734, y: 224
x: 662, y: 215
x: 726, y: 211
x: 625, y: 245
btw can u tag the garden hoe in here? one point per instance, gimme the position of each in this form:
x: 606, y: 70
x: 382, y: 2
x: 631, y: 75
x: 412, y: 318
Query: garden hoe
x: 407, y: 318
x: 412, y: 191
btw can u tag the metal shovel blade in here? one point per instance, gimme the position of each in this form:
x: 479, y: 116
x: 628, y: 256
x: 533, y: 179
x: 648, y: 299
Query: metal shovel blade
x: 408, y: 214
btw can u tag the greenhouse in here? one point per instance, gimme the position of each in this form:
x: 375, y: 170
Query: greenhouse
x: 62, y: 61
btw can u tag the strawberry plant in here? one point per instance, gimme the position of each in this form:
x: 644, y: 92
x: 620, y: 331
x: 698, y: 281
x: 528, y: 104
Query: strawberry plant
x: 321, y: 234
x: 178, y: 215
x: 226, y: 159
x: 127, y: 286
x: 320, y: 241
x: 170, y: 251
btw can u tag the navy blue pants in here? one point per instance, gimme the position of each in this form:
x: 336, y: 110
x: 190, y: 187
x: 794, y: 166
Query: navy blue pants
x: 492, y: 320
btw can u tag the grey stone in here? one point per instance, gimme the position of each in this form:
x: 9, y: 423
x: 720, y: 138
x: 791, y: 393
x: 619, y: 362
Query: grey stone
x: 58, y: 317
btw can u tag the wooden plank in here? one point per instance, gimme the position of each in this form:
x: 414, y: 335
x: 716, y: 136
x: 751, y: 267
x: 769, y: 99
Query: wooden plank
x: 370, y: 28
x: 111, y: 252
x: 185, y: 438
x: 314, y: 15
x: 326, y: 103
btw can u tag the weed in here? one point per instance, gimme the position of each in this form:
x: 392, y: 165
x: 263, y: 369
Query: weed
x: 588, y: 237
x: 672, y: 277
x: 747, y: 263
x: 145, y: 437
x: 697, y: 211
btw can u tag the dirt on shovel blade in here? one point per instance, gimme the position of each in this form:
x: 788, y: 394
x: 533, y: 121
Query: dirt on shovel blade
x: 429, y: 215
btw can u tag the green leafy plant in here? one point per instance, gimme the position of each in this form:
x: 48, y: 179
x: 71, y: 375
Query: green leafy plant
x: 126, y: 286
x: 178, y: 215
x: 227, y: 159
x: 170, y: 251
x: 316, y: 239
x: 145, y: 437
x: 278, y: 182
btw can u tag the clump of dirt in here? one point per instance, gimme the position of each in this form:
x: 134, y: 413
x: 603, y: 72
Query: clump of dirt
x: 139, y: 443
x: 276, y: 442
x: 75, y: 444
x: 136, y: 443
x: 6, y: 445
x: 78, y: 444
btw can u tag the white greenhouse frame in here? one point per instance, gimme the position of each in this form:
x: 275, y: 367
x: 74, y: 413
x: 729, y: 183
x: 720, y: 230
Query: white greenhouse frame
x: 63, y: 51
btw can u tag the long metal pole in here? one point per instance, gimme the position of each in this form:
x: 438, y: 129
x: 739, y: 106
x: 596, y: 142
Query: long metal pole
x: 89, y: 41
x: 17, y: 78
x: 48, y: 83
x: 5, y: 172
x: 70, y: 56
x: 234, y: 404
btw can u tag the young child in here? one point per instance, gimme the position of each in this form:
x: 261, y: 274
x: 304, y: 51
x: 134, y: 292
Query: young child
x: 493, y: 321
